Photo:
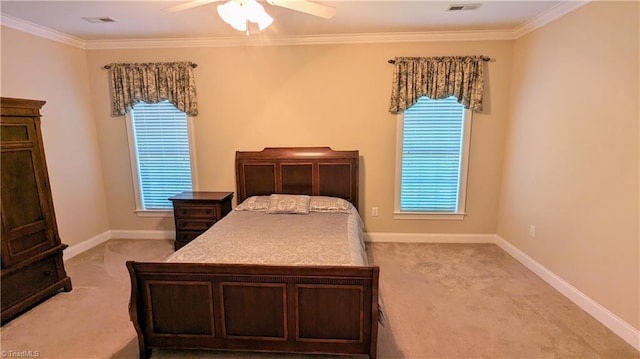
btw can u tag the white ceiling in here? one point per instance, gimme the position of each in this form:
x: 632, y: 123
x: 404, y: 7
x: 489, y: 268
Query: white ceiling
x: 147, y: 20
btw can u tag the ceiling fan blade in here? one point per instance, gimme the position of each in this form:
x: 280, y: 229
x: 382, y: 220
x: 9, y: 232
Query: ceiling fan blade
x: 307, y: 7
x: 189, y: 5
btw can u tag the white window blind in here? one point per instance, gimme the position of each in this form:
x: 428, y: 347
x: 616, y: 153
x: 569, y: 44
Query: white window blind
x: 162, y: 152
x: 432, y: 155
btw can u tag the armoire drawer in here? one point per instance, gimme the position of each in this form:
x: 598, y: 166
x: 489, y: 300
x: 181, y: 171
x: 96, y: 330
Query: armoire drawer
x: 21, y: 284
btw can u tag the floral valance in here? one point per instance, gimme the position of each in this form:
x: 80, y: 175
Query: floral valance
x: 437, y: 78
x: 152, y: 83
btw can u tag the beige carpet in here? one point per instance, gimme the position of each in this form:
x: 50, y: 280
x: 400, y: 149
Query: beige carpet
x: 441, y: 301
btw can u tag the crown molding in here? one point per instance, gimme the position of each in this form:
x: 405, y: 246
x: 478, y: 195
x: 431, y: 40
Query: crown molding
x: 556, y: 12
x: 332, y: 39
x: 561, y: 9
x: 41, y: 31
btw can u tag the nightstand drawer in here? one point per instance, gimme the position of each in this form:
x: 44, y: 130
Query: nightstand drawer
x: 186, y: 236
x: 194, y: 224
x: 196, y: 211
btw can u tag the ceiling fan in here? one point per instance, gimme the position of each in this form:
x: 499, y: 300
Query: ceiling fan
x: 238, y: 13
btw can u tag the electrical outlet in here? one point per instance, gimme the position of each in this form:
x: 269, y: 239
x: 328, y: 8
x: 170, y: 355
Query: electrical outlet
x: 532, y: 231
x: 374, y: 211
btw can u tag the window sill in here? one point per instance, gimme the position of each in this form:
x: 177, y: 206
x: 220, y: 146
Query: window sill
x: 161, y: 213
x: 429, y: 216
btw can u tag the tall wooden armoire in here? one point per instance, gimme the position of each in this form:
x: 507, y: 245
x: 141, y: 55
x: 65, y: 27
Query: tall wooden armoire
x: 32, y: 266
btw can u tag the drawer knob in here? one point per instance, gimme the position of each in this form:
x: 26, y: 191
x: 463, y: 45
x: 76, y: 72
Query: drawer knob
x: 208, y: 211
x: 47, y: 273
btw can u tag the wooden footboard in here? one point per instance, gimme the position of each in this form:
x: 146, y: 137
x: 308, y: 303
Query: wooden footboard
x: 301, y: 309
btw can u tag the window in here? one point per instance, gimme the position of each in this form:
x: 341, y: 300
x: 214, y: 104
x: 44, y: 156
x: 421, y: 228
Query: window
x: 432, y: 152
x: 161, y: 157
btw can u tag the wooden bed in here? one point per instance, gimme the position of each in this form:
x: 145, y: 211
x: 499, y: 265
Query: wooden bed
x: 246, y: 307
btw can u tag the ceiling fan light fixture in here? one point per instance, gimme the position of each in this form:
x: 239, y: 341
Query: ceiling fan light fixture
x: 238, y: 12
x: 232, y: 13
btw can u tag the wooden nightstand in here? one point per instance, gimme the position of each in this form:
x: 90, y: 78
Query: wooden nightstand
x: 195, y: 212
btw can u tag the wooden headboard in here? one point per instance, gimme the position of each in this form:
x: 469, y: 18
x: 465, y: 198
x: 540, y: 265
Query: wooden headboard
x: 316, y: 171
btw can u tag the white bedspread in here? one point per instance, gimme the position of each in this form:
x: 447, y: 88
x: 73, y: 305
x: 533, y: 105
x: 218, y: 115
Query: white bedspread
x: 256, y: 237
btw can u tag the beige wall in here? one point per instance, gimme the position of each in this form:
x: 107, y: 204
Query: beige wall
x: 35, y: 68
x: 322, y: 95
x: 572, y: 158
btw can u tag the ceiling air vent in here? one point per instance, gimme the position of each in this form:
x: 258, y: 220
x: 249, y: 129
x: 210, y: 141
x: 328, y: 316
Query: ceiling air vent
x: 97, y: 20
x: 459, y: 7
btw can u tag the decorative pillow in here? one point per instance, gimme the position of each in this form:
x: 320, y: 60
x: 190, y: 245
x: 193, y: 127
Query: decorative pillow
x: 255, y: 203
x: 329, y: 204
x: 288, y: 203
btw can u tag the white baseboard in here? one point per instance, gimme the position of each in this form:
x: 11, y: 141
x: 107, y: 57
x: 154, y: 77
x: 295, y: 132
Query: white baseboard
x: 616, y: 324
x: 127, y: 234
x: 428, y: 238
x: 83, y: 246
x: 620, y: 327
x: 95, y: 241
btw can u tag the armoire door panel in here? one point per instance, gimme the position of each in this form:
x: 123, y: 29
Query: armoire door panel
x: 26, y: 246
x: 14, y: 133
x: 21, y: 197
x: 25, y: 224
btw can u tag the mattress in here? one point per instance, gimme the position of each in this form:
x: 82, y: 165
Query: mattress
x: 258, y: 237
